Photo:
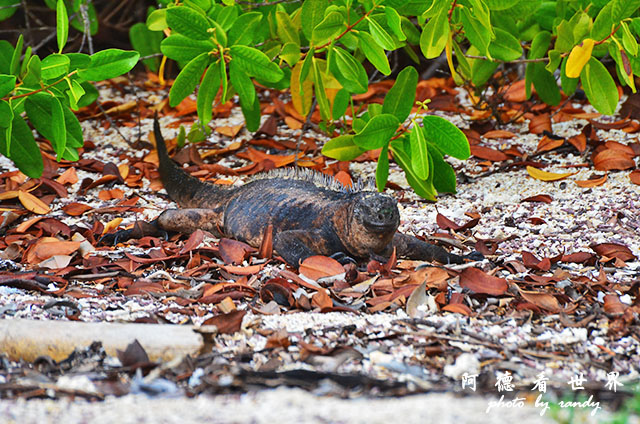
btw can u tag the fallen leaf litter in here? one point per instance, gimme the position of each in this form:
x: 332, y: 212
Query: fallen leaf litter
x: 372, y: 338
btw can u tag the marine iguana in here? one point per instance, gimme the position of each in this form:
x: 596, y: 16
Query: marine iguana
x: 311, y: 214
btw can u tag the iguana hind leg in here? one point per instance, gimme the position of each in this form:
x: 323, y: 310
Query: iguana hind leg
x: 188, y: 220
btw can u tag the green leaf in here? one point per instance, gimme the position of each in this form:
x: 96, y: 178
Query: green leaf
x: 340, y: 104
x: 78, y: 60
x: 255, y: 63
x: 54, y: 66
x: 382, y: 170
x: 348, y: 71
x: 183, y: 49
x: 379, y: 34
x: 6, y: 53
x: 569, y: 85
x: 227, y: 17
x: 7, y: 84
x: 146, y: 43
x: 311, y: 15
x: 539, y: 45
x: 14, y: 66
x: 286, y: 31
x: 62, y: 25
x: 243, y: 30
x: 306, y: 66
x: 599, y: 87
x: 291, y: 54
x: 25, y: 152
x: 377, y: 132
x: 157, y: 20
x: 58, y: 128
x: 446, y: 136
x: 481, y: 71
x: 33, y: 76
x: 321, y: 94
x: 373, y: 52
x: 628, y: 40
x: 444, y: 177
x: 422, y: 188
x: 603, y: 23
x: 399, y: 100
x: 419, y: 152
x: 6, y: 115
x: 38, y: 108
x: 478, y: 34
x: 342, y: 148
x: 505, y: 46
x: 332, y: 25
x: 188, y: 22
x: 223, y: 81
x: 187, y: 79
x: 251, y: 114
x: 242, y: 83
x: 109, y: 63
x: 434, y: 36
x: 545, y: 84
x: 395, y: 23
x: 209, y: 87
x: 5, y: 11
x: 622, y: 9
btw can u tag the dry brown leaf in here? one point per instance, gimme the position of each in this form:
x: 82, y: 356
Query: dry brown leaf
x: 56, y: 262
x: 610, y: 159
x: 458, y: 308
x: 488, y: 153
x: 498, y: 134
x: 634, y: 176
x: 544, y: 301
x: 76, y: 209
x: 228, y: 323
x: 540, y: 123
x: 612, y: 305
x: 579, y: 142
x: 613, y: 250
x: 547, y: 143
x: 293, y: 123
x: 594, y: 182
x: 478, y: 281
x: 233, y: 251
x: 10, y: 194
x: 318, y: 266
x: 230, y: 131
x: 321, y: 299
x: 48, y: 247
x: 32, y: 203
x: 545, y: 198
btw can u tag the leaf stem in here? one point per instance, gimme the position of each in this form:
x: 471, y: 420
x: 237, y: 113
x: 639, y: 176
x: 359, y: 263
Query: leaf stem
x: 43, y: 88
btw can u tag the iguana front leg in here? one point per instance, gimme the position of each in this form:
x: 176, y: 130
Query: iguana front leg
x: 412, y: 248
x: 297, y: 245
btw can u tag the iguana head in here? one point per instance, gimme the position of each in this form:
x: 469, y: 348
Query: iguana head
x: 371, y: 223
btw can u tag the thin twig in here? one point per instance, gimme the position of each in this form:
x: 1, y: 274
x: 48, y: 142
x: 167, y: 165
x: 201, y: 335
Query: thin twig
x: 304, y: 127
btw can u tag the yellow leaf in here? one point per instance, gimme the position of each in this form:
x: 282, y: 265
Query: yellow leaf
x: 547, y: 176
x: 113, y: 224
x: 11, y: 194
x: 32, y: 203
x: 579, y: 57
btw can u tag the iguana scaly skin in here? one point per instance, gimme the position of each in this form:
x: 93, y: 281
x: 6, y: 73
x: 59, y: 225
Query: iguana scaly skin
x: 311, y: 214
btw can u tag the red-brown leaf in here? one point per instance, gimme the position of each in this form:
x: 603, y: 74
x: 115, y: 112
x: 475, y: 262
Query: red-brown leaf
x: 612, y: 305
x: 539, y: 123
x: 227, y: 323
x: 488, y: 153
x: 478, y: 281
x: 544, y: 301
x: 318, y: 266
x: 613, y: 250
x: 578, y: 257
x: 545, y: 198
x: 634, y: 176
x: 457, y: 308
x: 610, y: 159
x: 233, y: 251
x: 76, y: 209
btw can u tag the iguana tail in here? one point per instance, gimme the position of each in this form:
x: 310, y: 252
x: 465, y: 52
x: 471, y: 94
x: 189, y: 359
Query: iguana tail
x: 182, y: 188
